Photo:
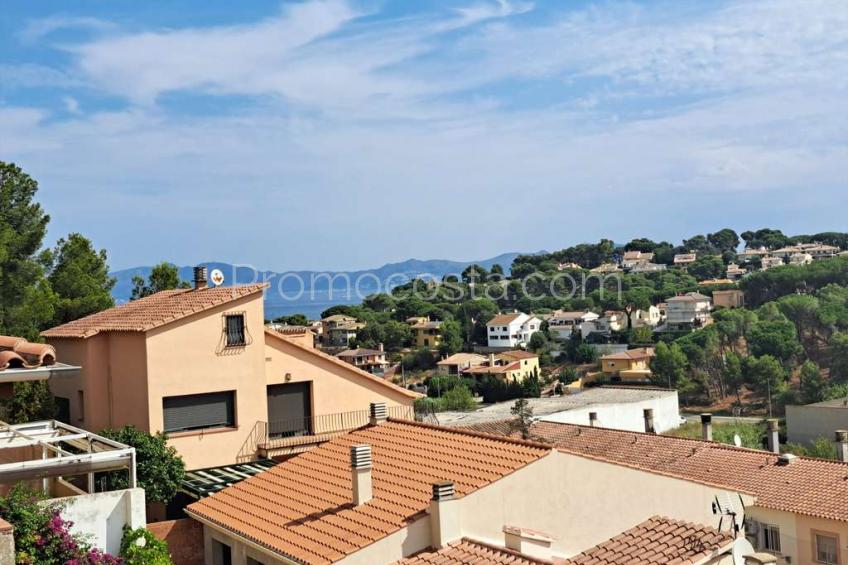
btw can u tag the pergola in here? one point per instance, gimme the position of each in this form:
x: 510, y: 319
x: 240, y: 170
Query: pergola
x: 64, y: 451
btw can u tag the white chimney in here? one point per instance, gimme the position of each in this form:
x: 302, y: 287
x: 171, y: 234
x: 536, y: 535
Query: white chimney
x: 491, y: 359
x: 528, y: 542
x: 378, y: 413
x: 444, y: 515
x: 380, y: 347
x: 707, y: 427
x: 773, y: 435
x: 593, y: 419
x: 360, y: 464
x: 842, y: 445
x: 649, y: 420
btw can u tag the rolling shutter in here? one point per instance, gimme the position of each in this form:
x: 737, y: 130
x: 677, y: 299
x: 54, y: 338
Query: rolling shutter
x: 198, y: 411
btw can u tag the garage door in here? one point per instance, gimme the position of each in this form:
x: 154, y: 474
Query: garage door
x: 289, y: 410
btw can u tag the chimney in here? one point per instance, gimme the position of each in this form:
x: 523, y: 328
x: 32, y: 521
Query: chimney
x: 444, y: 515
x: 378, y: 413
x: 842, y: 445
x: 773, y: 435
x: 528, y: 542
x: 360, y: 464
x: 200, y: 278
x: 707, y: 427
x: 380, y: 347
x: 491, y: 359
x: 649, y: 420
x: 593, y: 419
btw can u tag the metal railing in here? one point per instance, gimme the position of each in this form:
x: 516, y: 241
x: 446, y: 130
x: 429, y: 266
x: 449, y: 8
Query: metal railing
x: 325, y: 424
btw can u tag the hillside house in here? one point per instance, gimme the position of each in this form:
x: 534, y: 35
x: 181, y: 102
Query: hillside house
x: 370, y: 360
x: 562, y: 323
x: 687, y: 311
x: 456, y: 363
x: 632, y: 258
x: 731, y: 298
x: 683, y: 259
x: 199, y: 365
x: 513, y: 330
x: 338, y: 330
x: 509, y: 366
x: 426, y: 333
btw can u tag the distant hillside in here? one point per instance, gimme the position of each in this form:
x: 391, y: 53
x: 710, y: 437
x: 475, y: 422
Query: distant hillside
x: 316, y: 295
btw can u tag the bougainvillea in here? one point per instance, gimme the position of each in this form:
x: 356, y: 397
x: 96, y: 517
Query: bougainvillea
x: 43, y: 536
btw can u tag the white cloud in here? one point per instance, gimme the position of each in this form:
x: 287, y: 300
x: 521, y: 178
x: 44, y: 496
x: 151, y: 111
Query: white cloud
x: 36, y: 30
x: 370, y: 125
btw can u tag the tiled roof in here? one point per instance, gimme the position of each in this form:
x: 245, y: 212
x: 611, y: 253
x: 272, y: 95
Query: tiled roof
x: 347, y: 366
x: 517, y: 354
x: 18, y: 353
x: 462, y: 359
x: 497, y: 369
x: 303, y: 509
x: 429, y: 325
x: 360, y: 352
x: 689, y: 297
x: 657, y: 541
x: 813, y: 487
x: 471, y: 552
x: 638, y: 353
x: 153, y: 311
x: 503, y: 319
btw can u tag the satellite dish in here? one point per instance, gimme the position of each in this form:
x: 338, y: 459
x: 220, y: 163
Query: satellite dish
x: 217, y: 277
x: 741, y: 548
x: 737, y: 441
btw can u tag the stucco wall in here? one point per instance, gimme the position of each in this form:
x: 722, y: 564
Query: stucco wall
x: 184, y: 538
x: 786, y: 523
x: 189, y: 357
x: 335, y: 387
x: 625, y: 415
x: 805, y: 529
x: 807, y: 423
x: 102, y: 516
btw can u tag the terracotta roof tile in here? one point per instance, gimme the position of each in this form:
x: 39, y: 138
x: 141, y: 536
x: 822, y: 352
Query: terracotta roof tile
x: 18, y: 353
x: 656, y: 541
x: 471, y: 552
x: 153, y: 311
x: 302, y: 508
x: 813, y: 487
x: 503, y: 319
x: 638, y: 353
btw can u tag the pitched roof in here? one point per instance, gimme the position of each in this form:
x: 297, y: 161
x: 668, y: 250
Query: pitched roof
x: 813, y: 487
x: 360, y: 352
x: 504, y: 319
x: 153, y: 311
x: 638, y: 353
x: 657, y: 541
x: 517, y: 354
x: 428, y: 325
x: 359, y: 372
x: 571, y: 315
x: 491, y: 370
x: 471, y: 552
x: 689, y: 297
x: 462, y: 359
x: 303, y: 509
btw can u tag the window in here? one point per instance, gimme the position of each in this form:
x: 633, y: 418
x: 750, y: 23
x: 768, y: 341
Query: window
x: 222, y: 554
x: 827, y: 549
x: 199, y: 411
x: 235, y: 330
x: 63, y: 409
x: 771, y: 538
x: 81, y: 401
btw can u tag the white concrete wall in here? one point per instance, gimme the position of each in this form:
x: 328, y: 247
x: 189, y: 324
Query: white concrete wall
x: 807, y: 423
x: 102, y: 516
x: 625, y: 415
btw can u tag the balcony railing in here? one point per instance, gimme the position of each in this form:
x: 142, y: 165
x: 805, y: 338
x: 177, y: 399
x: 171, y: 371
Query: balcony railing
x: 280, y: 433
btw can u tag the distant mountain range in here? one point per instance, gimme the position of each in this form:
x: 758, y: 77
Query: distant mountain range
x: 308, y: 292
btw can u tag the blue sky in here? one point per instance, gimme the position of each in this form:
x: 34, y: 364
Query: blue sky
x: 336, y: 134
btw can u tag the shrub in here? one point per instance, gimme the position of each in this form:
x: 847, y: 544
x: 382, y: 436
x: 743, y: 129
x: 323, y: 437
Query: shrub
x: 496, y: 390
x: 42, y: 535
x: 141, y: 547
x: 458, y: 398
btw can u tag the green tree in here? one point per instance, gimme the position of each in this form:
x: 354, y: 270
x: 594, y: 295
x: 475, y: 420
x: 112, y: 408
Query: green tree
x: 293, y: 320
x: 80, y: 279
x: 159, y: 468
x: 765, y: 376
x: 707, y: 267
x: 839, y: 356
x: 474, y: 273
x: 523, y: 414
x: 451, y: 341
x: 380, y: 302
x: 164, y: 276
x: 777, y: 339
x: 497, y: 269
x: 30, y: 401
x: 538, y: 341
x: 669, y: 364
x: 724, y: 240
x: 812, y: 383
x: 141, y: 547
x: 23, y: 224
x: 641, y: 335
x: 733, y: 375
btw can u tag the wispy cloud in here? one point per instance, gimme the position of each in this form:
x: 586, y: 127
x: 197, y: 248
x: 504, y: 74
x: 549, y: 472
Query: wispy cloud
x: 452, y: 118
x: 36, y: 30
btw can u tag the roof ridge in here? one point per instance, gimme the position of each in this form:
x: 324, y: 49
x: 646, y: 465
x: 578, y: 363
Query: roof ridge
x: 474, y: 433
x: 506, y: 550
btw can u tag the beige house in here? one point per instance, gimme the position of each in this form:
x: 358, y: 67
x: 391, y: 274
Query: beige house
x: 633, y: 365
x: 458, y: 362
x: 411, y: 493
x: 371, y: 360
x: 732, y: 298
x: 735, y: 272
x: 200, y: 365
x: 507, y: 366
x: 771, y: 262
x: 426, y: 333
x: 685, y: 258
x: 632, y: 258
x: 338, y: 330
x: 688, y: 311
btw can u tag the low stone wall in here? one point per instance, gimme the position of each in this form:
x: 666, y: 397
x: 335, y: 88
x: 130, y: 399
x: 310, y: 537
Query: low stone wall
x: 184, y: 538
x: 7, y: 542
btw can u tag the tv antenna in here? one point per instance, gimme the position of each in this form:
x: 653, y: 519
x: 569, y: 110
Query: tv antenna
x: 723, y: 506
